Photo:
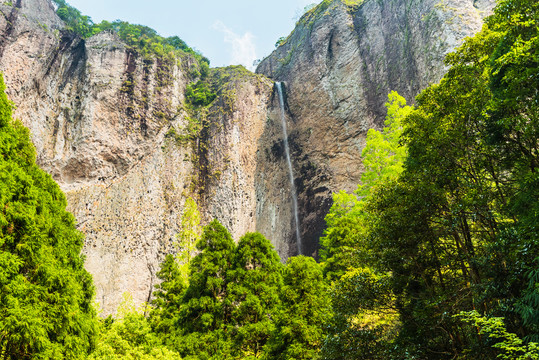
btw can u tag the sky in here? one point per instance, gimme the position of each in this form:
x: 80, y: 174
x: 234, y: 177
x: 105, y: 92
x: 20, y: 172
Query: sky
x: 227, y: 32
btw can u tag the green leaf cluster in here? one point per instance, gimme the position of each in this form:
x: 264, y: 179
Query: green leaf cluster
x: 300, y: 324
x: 129, y: 337
x: 199, y: 94
x: 45, y: 293
x: 363, y: 319
x: 241, y: 302
x: 511, y: 346
x: 445, y: 219
x: 348, y: 221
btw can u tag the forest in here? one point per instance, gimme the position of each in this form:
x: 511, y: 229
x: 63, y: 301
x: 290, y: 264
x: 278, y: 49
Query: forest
x: 434, y: 256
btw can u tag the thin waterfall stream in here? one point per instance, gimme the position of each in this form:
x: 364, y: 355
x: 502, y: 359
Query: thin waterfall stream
x: 278, y: 85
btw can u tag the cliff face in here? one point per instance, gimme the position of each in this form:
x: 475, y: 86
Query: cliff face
x: 101, y: 119
x: 338, y: 66
x: 107, y: 123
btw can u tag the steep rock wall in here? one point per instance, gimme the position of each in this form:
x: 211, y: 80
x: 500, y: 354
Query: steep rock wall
x: 338, y: 65
x: 100, y: 117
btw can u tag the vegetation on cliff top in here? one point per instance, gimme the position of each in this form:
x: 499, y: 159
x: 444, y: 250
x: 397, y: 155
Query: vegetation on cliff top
x: 142, y: 38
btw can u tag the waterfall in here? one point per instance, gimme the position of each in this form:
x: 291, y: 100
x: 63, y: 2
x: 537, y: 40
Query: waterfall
x: 278, y: 85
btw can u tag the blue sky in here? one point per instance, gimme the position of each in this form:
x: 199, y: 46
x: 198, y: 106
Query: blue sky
x: 227, y: 32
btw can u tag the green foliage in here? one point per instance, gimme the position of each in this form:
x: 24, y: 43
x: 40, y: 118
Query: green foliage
x: 238, y: 304
x: 361, y: 288
x: 353, y: 4
x: 449, y: 210
x: 204, y: 312
x: 146, y: 40
x: 129, y: 337
x: 384, y: 154
x: 301, y: 322
x: 528, y: 305
x: 364, y: 322
x: 168, y: 296
x: 253, y: 295
x: 75, y: 21
x: 509, y: 345
x: 46, y: 294
x: 174, y: 273
x: 311, y: 14
x: 347, y: 220
x: 142, y: 38
x: 188, y: 237
x: 280, y: 41
x: 457, y: 192
x: 345, y: 230
x: 199, y: 94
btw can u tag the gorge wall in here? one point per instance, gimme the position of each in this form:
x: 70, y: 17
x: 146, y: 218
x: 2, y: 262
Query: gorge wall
x: 108, y: 122
x: 339, y: 64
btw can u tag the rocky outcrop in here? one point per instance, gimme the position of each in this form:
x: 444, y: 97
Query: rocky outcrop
x: 110, y: 124
x: 338, y: 65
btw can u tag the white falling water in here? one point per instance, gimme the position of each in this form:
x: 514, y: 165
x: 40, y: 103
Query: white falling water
x: 278, y: 85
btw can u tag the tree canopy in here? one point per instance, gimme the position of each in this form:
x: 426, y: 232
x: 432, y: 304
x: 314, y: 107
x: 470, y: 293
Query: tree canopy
x: 46, y: 294
x: 450, y: 227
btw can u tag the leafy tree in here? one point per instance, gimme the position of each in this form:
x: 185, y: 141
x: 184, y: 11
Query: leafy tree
x: 509, y: 346
x: 168, y: 297
x: 253, y: 295
x: 75, y: 21
x: 129, y: 337
x: 363, y: 322
x: 142, y: 38
x: 189, y: 236
x: 456, y: 225
x: 431, y: 225
x: 204, y: 312
x: 347, y: 220
x: 452, y: 228
x: 345, y: 230
x: 513, y: 130
x: 384, y: 154
x: 46, y: 294
x: 301, y: 323
x: 199, y: 94
x: 358, y: 330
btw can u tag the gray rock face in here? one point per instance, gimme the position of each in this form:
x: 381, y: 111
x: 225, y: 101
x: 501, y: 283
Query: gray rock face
x: 101, y: 118
x: 339, y: 64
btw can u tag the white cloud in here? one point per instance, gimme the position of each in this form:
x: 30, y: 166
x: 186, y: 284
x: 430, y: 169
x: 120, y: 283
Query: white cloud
x: 243, y: 47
